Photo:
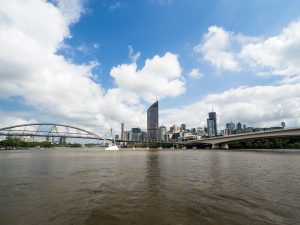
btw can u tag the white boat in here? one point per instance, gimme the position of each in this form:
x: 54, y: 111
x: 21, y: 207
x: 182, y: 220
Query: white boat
x: 112, y: 146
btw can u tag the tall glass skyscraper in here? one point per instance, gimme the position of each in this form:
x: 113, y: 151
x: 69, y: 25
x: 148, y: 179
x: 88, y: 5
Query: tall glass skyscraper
x: 152, y: 121
x: 122, y: 131
x: 212, y: 124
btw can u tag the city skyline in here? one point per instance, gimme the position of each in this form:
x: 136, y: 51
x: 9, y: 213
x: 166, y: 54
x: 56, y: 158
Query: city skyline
x: 156, y: 132
x: 71, y: 66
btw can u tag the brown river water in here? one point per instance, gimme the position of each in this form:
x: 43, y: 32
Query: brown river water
x: 169, y: 187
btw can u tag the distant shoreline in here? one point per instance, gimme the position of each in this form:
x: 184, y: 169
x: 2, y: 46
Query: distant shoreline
x: 151, y: 149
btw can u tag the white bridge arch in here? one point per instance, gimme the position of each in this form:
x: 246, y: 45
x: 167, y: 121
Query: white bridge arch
x: 48, y: 130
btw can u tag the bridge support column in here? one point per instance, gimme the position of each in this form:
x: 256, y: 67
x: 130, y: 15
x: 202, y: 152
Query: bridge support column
x: 224, y: 146
x: 220, y: 146
x: 214, y: 146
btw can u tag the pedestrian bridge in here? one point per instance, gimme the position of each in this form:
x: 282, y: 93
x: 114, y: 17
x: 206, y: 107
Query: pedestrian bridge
x: 222, y: 141
x: 48, y: 130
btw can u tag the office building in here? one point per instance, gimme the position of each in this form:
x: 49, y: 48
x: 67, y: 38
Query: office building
x: 152, y: 121
x: 122, y: 131
x: 230, y: 128
x: 161, y: 133
x: 200, y: 131
x: 212, y: 124
x: 126, y: 135
x: 239, y: 128
x: 182, y: 127
x: 144, y: 136
x: 174, y: 129
x: 136, y: 134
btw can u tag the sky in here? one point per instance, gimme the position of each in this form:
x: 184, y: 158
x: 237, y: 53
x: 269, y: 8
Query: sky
x: 97, y: 63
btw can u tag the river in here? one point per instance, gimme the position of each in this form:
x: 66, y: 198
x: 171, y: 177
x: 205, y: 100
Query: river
x: 169, y: 187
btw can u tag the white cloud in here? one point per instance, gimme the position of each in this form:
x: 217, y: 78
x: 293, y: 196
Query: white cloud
x: 133, y: 56
x: 96, y: 45
x: 70, y: 9
x: 11, y: 119
x: 165, y: 2
x: 195, y: 73
x: 254, y: 106
x: 45, y: 28
x: 159, y: 78
x: 215, y: 47
x: 115, y: 6
x: 277, y: 55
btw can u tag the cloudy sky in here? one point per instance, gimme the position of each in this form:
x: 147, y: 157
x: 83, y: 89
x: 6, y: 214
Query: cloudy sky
x: 97, y: 63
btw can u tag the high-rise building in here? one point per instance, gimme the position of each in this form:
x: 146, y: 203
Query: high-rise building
x: 126, y: 135
x: 152, y: 121
x: 161, y: 133
x: 239, y: 128
x: 144, y: 136
x: 230, y: 127
x: 200, y: 131
x: 122, y: 131
x: 212, y: 124
x: 182, y: 127
x: 205, y: 129
x: 174, y: 129
x: 136, y: 134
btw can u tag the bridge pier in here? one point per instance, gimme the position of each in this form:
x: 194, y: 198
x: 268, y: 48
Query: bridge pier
x: 220, y: 146
x: 214, y: 146
x: 224, y: 146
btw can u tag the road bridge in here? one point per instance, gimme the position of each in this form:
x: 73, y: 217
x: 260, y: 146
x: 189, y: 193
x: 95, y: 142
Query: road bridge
x: 222, y: 141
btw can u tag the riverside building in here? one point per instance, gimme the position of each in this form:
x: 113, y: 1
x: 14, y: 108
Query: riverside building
x: 212, y: 124
x: 152, y: 121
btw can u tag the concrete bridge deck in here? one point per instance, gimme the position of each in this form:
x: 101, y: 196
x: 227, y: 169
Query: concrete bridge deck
x: 222, y: 141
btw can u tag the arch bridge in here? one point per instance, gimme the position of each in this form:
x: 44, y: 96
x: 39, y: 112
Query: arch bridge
x: 48, y: 130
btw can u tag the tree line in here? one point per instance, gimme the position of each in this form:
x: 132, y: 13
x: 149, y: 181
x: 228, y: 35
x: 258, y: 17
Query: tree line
x: 268, y: 143
x: 17, y: 143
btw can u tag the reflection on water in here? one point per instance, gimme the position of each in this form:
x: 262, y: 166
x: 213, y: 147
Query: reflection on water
x: 149, y: 187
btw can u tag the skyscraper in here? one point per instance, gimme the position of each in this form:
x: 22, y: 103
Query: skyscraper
x: 239, y: 128
x: 212, y: 124
x: 136, y: 134
x: 182, y: 127
x: 230, y: 127
x: 122, y: 131
x: 152, y: 121
x: 161, y: 133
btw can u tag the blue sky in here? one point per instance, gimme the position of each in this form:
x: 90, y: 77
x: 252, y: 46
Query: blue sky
x: 83, y: 62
